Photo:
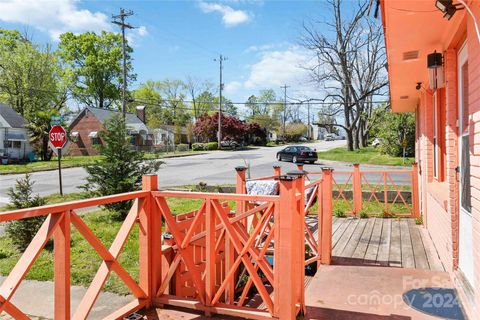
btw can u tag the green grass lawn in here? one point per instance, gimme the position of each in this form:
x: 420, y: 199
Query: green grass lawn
x: 70, y: 162
x: 367, y: 155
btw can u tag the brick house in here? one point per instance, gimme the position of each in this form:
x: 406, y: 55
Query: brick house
x: 434, y: 71
x: 86, y: 126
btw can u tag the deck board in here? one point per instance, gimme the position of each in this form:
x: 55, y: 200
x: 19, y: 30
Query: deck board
x: 362, y: 246
x: 395, y: 257
x: 345, y: 238
x: 355, y: 239
x: 374, y: 244
x: 408, y: 260
x: 384, y: 248
x: 383, y: 242
x: 419, y: 254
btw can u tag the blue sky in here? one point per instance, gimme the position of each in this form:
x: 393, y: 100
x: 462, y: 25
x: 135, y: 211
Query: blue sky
x: 176, y: 39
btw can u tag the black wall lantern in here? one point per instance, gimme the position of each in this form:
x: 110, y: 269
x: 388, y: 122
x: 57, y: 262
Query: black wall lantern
x: 435, y: 70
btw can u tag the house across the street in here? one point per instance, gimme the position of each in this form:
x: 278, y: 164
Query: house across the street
x: 164, y: 135
x: 14, y: 143
x: 85, y: 129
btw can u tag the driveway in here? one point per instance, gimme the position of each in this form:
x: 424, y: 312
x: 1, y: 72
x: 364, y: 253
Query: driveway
x: 213, y: 168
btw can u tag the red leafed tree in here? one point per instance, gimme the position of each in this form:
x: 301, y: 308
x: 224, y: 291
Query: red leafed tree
x: 207, y: 125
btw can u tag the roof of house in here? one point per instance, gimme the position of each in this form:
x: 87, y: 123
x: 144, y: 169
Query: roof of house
x: 171, y: 128
x: 14, y: 119
x: 104, y: 114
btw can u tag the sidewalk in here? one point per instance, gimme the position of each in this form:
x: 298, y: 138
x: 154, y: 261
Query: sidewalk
x: 35, y: 298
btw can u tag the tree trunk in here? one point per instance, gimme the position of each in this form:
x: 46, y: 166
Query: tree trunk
x: 349, y: 140
x: 356, y: 139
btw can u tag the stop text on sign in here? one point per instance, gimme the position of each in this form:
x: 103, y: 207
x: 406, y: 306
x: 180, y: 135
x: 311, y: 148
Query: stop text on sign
x: 57, y: 136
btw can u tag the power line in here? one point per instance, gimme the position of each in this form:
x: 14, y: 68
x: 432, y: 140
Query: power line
x: 123, y: 14
x: 313, y: 103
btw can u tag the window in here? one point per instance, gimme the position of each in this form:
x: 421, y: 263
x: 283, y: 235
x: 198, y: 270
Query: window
x: 12, y: 144
x: 465, y: 184
x: 439, y: 115
x: 95, y: 140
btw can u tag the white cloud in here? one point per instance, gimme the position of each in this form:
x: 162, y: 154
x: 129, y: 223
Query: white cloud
x: 277, y: 68
x: 230, y: 16
x: 232, y: 87
x: 57, y: 16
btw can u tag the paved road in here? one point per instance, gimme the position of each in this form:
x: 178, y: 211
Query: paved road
x: 213, y: 168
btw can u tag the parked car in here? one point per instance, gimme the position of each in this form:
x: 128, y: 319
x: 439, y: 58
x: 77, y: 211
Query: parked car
x: 232, y: 144
x: 331, y: 137
x: 376, y: 142
x: 297, y: 154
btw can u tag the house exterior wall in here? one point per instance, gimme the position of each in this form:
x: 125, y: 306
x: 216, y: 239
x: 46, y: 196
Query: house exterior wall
x: 15, y: 153
x: 84, y: 124
x: 440, y: 197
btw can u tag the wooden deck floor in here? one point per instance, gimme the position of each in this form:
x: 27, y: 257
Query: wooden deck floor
x: 383, y: 242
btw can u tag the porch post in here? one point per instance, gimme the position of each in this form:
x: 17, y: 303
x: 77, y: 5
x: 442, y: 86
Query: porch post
x: 150, y: 240
x: 357, y: 189
x: 326, y: 224
x: 300, y: 229
x: 277, y: 170
x: 241, y: 189
x: 289, y: 251
x: 415, y: 195
x: 61, y: 250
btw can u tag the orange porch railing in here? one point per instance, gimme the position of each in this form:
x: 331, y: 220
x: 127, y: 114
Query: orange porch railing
x: 208, y: 259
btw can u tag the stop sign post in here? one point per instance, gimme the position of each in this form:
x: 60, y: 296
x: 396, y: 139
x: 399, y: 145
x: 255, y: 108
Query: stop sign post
x: 58, y: 138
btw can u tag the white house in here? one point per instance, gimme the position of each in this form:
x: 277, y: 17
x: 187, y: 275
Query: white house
x: 13, y: 134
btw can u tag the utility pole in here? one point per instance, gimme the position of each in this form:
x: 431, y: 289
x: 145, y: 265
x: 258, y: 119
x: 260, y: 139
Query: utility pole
x: 308, y: 120
x: 220, y: 102
x: 284, y: 87
x: 120, y: 20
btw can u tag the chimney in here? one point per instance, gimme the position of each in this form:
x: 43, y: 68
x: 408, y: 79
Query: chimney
x: 141, y: 113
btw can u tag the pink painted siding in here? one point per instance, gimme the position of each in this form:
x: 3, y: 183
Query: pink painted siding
x: 474, y: 106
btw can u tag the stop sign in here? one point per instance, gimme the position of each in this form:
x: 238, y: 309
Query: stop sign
x: 58, y: 136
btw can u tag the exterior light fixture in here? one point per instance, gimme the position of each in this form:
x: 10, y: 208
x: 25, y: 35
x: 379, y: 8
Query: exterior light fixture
x: 435, y: 70
x: 448, y: 8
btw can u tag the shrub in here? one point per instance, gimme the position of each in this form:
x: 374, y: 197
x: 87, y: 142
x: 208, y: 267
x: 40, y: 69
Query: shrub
x: 21, y: 232
x: 363, y: 214
x: 339, y: 213
x: 121, y: 168
x: 198, y: 146
x: 419, y: 220
x: 271, y: 144
x: 211, y: 146
x: 182, y: 147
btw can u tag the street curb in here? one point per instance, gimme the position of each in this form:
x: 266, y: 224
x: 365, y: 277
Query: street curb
x: 69, y: 167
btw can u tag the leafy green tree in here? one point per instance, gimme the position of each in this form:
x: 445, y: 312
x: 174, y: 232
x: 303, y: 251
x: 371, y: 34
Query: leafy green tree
x: 122, y: 168
x: 21, y: 232
x: 93, y: 65
x: 269, y: 122
x: 252, y: 105
x: 148, y: 95
x: 396, y: 131
x: 30, y: 82
x: 206, y: 102
x: 294, y: 131
x: 173, y: 93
